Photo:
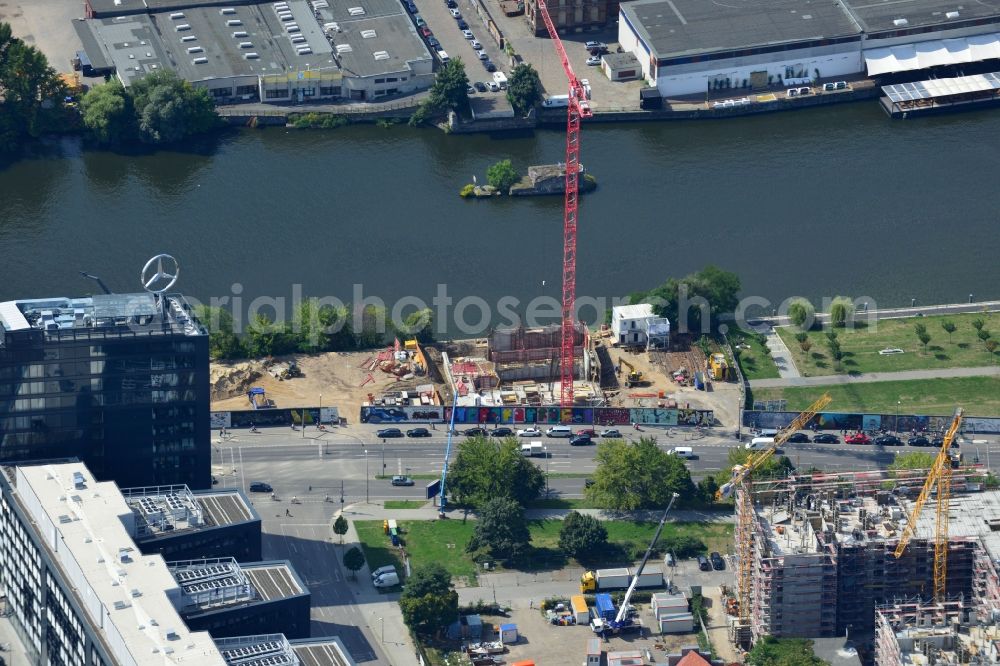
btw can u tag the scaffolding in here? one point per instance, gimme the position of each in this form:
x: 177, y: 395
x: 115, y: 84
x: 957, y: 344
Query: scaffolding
x: 914, y: 632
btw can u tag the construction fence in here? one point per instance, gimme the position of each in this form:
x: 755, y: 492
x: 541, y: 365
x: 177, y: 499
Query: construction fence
x: 524, y: 415
x: 856, y: 421
x: 274, y: 417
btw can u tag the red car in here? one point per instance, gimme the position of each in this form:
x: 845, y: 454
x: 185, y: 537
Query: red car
x: 587, y: 432
x: 426, y: 32
x: 858, y: 438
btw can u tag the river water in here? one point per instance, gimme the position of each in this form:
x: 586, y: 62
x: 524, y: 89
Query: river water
x: 821, y: 202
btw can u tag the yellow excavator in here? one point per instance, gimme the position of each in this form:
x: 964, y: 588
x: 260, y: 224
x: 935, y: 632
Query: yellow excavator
x: 634, y: 377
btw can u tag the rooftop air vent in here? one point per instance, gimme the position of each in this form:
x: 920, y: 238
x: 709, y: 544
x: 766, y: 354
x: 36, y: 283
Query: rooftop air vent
x: 188, y: 38
x: 951, y: 15
x: 356, y: 11
x: 177, y: 15
x: 227, y: 11
x: 344, y: 48
x: 199, y: 61
x: 368, y: 34
x: 182, y: 27
x: 239, y: 34
x: 899, y: 23
x: 234, y: 22
x: 250, y: 56
x: 78, y: 480
x: 195, y: 49
x: 381, y: 55
x: 246, y: 45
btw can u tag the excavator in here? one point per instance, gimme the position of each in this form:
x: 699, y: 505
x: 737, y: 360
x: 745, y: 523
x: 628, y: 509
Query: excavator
x: 634, y: 377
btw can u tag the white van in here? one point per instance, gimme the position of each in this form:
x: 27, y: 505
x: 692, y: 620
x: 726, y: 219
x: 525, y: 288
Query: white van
x: 556, y: 101
x: 684, y: 452
x: 443, y: 55
x: 559, y: 431
x: 760, y: 443
x: 386, y: 580
x: 381, y: 571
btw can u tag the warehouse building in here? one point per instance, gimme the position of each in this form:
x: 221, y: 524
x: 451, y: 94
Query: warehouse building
x: 179, y: 524
x: 273, y: 52
x: 687, y: 47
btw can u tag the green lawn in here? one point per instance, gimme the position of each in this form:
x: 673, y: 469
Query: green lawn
x: 405, y: 504
x: 980, y: 396
x: 444, y: 541
x: 862, y: 344
x: 756, y: 362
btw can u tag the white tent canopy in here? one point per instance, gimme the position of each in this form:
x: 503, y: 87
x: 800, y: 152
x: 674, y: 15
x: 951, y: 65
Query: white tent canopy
x: 930, y: 54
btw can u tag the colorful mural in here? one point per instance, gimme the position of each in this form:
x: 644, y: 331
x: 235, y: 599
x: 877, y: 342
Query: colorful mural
x: 519, y: 415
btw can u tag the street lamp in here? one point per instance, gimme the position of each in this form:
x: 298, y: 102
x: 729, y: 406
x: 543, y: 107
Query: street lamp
x: 896, y: 427
x: 382, y: 625
x: 383, y: 457
x: 366, y: 476
x: 546, y: 449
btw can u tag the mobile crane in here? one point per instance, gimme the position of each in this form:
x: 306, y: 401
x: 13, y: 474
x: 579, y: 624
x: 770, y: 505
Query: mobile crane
x: 623, y: 622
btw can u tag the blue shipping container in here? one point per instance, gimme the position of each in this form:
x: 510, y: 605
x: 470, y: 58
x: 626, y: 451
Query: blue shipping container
x: 605, y: 607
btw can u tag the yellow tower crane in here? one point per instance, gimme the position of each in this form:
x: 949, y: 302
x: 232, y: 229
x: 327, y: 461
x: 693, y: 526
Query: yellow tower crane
x: 940, y: 476
x: 744, y: 503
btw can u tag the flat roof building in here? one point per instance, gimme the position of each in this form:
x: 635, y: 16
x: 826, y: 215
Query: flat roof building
x: 180, y: 524
x: 117, y: 380
x: 686, y: 47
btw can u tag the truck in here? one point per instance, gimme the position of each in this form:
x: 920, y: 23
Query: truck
x: 533, y: 448
x: 604, y: 617
x: 555, y: 101
x: 604, y: 608
x: 500, y: 79
x: 619, y: 579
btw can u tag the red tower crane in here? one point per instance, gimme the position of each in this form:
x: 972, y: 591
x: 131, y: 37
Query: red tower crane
x: 578, y: 108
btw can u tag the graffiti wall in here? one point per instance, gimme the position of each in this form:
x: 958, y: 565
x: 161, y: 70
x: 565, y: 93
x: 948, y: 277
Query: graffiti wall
x: 848, y: 421
x: 273, y: 417
x: 543, y: 415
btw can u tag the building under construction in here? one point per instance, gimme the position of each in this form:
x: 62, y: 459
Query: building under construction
x: 919, y: 633
x: 823, y: 551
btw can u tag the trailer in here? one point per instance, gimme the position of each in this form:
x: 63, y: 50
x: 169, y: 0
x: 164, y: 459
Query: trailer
x: 534, y: 448
x: 581, y: 612
x: 604, y: 608
x: 619, y: 579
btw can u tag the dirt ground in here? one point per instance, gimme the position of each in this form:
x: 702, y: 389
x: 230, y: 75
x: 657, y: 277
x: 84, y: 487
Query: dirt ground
x: 336, y: 376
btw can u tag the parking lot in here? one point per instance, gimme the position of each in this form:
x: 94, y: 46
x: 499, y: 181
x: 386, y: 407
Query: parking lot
x: 47, y: 26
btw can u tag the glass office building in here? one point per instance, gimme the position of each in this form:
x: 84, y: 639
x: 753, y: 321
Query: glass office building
x: 118, y: 380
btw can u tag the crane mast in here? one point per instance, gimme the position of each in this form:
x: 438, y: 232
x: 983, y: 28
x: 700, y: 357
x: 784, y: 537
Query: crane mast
x: 578, y: 108
x: 623, y: 610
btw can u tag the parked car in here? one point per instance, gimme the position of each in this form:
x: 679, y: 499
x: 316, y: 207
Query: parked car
x: 462, y: 25
x: 703, y: 563
x: 482, y: 55
x: 502, y: 432
x: 588, y: 483
x: 589, y: 432
x: 919, y: 440
x: 798, y: 438
x: 490, y: 67
x: 477, y: 432
x: 426, y: 32
x: 455, y: 13
x: 888, y: 440
x: 599, y: 51
x: 412, y: 8
x: 469, y: 90
x: 450, y: 4
x: 476, y: 46
x: 433, y: 42
x: 581, y: 440
x: 529, y: 432
x: 858, y: 438
x: 419, y: 20
x: 826, y: 438
x: 418, y: 432
x: 386, y: 433
x: 468, y: 34
x: 611, y: 432
x: 717, y: 562
x: 594, y: 60
x: 402, y: 481
x: 493, y: 86
x: 480, y: 86
x: 383, y: 570
x: 595, y: 45
x: 260, y: 487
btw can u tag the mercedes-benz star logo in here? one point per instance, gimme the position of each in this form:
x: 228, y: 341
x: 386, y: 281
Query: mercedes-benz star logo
x: 154, y: 278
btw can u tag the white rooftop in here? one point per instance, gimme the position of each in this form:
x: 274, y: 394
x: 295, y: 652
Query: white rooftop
x: 973, y: 515
x: 127, y: 595
x: 637, y: 311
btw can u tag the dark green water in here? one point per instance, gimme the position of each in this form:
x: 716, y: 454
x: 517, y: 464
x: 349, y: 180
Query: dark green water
x: 824, y: 202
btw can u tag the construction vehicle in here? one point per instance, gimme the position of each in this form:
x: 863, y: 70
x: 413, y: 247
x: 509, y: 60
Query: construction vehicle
x: 634, y: 377
x: 623, y: 621
x: 939, y: 476
x: 744, y: 504
x: 618, y: 579
x: 718, y: 367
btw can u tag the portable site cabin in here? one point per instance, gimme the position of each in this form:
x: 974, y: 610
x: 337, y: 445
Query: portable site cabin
x: 581, y: 612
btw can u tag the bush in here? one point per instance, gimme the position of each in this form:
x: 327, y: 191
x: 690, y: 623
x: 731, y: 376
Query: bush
x: 801, y: 313
x: 317, y: 121
x: 502, y: 176
x: 467, y: 190
x: 683, y: 545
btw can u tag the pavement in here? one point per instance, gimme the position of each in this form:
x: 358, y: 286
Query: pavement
x: 781, y: 356
x: 905, y: 375
x: 898, y: 313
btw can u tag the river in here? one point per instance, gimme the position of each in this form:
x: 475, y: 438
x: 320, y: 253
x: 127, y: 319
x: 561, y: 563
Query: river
x: 821, y: 202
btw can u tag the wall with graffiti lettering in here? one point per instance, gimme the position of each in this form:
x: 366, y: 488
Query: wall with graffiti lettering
x: 602, y: 416
x: 854, y: 421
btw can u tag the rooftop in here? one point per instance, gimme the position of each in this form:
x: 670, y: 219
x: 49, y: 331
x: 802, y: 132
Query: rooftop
x: 168, y: 510
x: 321, y: 652
x: 972, y: 515
x: 878, y: 16
x: 216, y: 584
x: 102, y: 315
x: 128, y: 595
x: 674, y: 28
x: 637, y: 311
x: 376, y: 43
x: 127, y: 43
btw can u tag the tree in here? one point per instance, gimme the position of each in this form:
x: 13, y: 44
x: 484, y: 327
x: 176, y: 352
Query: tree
x: 638, y: 476
x: 773, y: 467
x: 991, y: 346
x: 717, y: 287
x: 318, y: 327
x: 108, y: 113
x: 501, y: 530
x: 770, y: 651
x: 428, y: 601
x: 801, y: 337
x: 267, y: 338
x: 420, y: 325
x: 806, y: 345
x: 582, y: 535
x: 913, y: 460
x: 983, y: 334
x: 169, y: 109
x: 949, y: 327
x: 707, y: 488
x: 450, y: 91
x: 369, y: 326
x: 705, y: 345
x: 26, y: 83
x: 502, y: 176
x: 683, y: 545
x: 223, y: 343
x: 919, y: 328
x: 524, y: 90
x: 978, y: 324
x: 840, y: 311
x: 924, y: 338
x: 354, y: 559
x: 340, y: 527
x: 831, y: 335
x: 485, y: 469
x: 801, y: 313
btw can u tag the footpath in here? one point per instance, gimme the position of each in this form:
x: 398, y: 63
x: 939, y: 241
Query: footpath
x: 832, y: 380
